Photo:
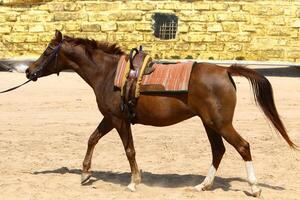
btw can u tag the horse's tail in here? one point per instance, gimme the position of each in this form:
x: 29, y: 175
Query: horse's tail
x: 263, y: 95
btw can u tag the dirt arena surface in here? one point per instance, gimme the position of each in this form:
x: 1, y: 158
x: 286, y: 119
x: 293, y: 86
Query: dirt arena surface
x: 45, y: 127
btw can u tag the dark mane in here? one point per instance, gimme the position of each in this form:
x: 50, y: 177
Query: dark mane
x: 91, y: 45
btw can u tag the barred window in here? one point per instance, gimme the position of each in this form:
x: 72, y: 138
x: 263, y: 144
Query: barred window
x: 165, y: 25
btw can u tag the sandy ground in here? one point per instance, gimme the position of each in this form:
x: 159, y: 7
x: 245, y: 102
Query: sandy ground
x: 45, y: 127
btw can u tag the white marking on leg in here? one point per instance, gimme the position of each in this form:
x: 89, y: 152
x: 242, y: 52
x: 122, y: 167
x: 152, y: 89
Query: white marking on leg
x: 131, y: 187
x: 250, y: 173
x: 252, y: 179
x: 208, y: 181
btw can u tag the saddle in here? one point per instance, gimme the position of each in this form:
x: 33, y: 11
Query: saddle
x: 139, y: 64
x: 136, y: 73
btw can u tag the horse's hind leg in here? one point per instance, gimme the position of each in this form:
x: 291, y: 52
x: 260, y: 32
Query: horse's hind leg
x: 218, y: 150
x: 103, y: 128
x: 243, y: 147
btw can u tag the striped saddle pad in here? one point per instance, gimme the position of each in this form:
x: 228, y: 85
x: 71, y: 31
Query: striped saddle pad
x: 164, y: 78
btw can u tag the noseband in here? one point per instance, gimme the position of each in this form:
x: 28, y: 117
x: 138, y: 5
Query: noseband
x: 53, y: 55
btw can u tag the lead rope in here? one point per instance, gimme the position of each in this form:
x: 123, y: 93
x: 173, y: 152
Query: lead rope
x: 16, y: 87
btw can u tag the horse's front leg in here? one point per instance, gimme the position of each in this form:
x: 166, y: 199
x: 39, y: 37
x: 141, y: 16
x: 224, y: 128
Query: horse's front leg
x: 124, y: 131
x: 103, y: 128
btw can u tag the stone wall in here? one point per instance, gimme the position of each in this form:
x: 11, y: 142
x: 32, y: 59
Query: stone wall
x: 240, y: 29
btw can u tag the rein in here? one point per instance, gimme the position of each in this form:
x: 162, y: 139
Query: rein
x: 16, y: 87
x: 37, y: 73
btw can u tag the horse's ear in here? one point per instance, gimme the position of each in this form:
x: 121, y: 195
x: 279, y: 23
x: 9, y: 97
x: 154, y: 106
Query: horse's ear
x: 58, y: 35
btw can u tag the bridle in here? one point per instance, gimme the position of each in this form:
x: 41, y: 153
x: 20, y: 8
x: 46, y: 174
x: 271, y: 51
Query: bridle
x: 53, y: 55
x: 41, y: 68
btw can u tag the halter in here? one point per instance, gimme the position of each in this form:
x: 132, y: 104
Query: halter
x: 42, y: 67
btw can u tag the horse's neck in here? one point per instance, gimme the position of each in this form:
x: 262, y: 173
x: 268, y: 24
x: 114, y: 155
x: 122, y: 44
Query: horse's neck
x: 97, y: 71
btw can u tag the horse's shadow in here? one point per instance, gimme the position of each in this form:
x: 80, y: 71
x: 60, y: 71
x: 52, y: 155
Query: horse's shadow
x: 160, y: 180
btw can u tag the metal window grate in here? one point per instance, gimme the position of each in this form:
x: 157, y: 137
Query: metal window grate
x: 165, y: 25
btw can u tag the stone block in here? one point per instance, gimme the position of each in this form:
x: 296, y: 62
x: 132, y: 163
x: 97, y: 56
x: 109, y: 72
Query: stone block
x: 11, y: 16
x: 46, y: 37
x: 54, y: 26
x: 2, y: 18
x: 262, y: 43
x: 149, y: 37
x: 219, y: 6
x: 165, y: 46
x: 146, y: 6
x: 72, y: 6
x: 243, y: 37
x: 55, y: 6
x: 181, y: 46
x: 212, y: 55
x: 197, y: 27
x: 296, y: 23
x: 184, y: 6
x: 5, y: 28
x: 264, y: 9
x: 188, y: 16
x: 125, y: 37
x: 240, y: 17
x: 197, y: 37
x: 103, y: 16
x: 278, y: 31
x: 272, y: 53
x: 278, y: 20
x: 128, y: 15
x: 259, y: 20
x: 166, y: 6
x: 20, y: 46
x: 91, y: 27
x: 183, y: 28
x: 31, y: 38
x: 224, y: 17
x: 98, y: 37
x: 248, y: 28
x: 215, y: 27
x: 126, y: 26
x: 36, y: 28
x: 143, y: 26
x: 234, y: 47
x: 72, y: 27
x: 234, y: 7
x: 101, y: 6
x: 70, y: 16
x: 37, y: 47
x: 216, y: 47
x: 198, y: 47
x: 230, y: 27
x: 36, y: 16
x: 201, y: 5
x: 109, y: 26
x: 226, y: 37
x: 20, y: 28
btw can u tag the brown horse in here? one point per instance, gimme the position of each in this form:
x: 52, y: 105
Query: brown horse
x: 211, y: 96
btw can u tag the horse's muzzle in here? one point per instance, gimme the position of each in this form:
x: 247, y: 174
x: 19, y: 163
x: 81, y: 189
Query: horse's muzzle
x: 31, y: 76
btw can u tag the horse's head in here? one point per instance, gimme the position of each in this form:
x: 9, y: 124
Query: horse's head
x: 50, y: 62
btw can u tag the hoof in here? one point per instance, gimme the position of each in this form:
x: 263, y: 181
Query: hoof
x: 256, y: 191
x: 131, y: 187
x: 85, y: 177
x: 203, y: 187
